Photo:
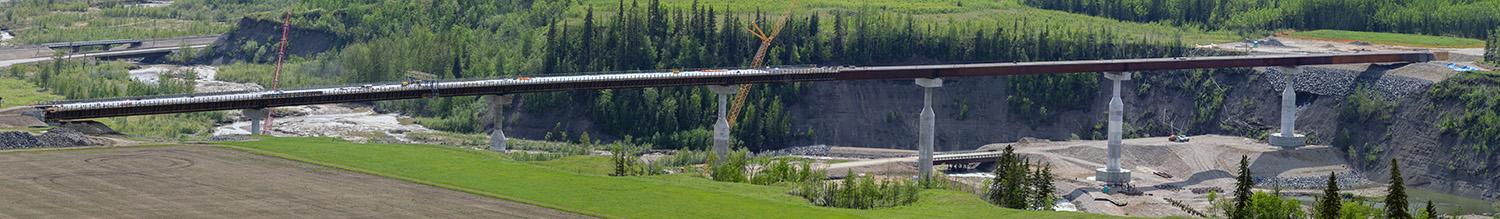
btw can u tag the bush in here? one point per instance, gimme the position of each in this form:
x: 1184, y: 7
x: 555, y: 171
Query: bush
x: 731, y: 169
x: 779, y: 170
x: 858, y: 192
x: 682, y: 158
x: 628, y: 162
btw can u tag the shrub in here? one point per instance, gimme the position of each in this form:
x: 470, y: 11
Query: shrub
x: 858, y: 192
x: 731, y: 169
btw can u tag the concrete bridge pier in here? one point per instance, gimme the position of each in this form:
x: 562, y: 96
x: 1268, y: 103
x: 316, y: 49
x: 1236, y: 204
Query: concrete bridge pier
x: 497, y: 135
x: 721, y: 127
x: 926, y: 127
x: 1112, y: 173
x: 255, y: 116
x: 1287, y: 139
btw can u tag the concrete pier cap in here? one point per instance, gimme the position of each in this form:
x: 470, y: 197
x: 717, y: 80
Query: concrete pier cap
x: 255, y: 116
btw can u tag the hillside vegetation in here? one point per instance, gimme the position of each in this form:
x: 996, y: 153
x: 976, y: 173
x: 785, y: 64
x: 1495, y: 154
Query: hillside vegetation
x: 1460, y: 18
x: 1471, y: 132
x: 676, y: 196
x: 48, y: 21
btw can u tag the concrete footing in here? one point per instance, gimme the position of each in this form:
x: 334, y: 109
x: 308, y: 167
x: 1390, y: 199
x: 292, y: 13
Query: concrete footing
x: 721, y: 127
x: 1112, y: 178
x: 926, y: 127
x: 256, y: 117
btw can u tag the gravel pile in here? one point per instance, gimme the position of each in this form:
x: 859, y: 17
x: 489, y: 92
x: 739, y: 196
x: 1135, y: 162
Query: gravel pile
x: 814, y: 151
x: 56, y: 137
x: 14, y: 140
x: 1346, y: 180
x: 1341, y: 82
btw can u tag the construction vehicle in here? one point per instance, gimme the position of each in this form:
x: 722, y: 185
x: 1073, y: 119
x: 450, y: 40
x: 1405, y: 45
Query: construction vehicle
x: 1179, y: 138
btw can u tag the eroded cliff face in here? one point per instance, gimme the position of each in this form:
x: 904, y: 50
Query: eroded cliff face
x: 256, y: 40
x: 972, y: 112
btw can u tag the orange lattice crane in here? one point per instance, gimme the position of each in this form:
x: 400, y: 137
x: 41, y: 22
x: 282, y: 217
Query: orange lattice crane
x: 286, y: 27
x: 760, y: 54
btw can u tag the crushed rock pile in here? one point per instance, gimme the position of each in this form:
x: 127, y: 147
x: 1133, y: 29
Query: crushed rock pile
x: 1341, y: 82
x: 814, y: 151
x: 1347, y: 180
x: 56, y: 137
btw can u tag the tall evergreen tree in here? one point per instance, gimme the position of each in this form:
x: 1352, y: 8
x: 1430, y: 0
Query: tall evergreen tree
x: 1430, y: 211
x: 1242, y: 190
x: 1009, y: 187
x: 1328, y: 207
x: 1492, y: 47
x: 1395, y: 198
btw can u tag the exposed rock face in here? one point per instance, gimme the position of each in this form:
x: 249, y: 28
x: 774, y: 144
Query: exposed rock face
x: 263, y: 33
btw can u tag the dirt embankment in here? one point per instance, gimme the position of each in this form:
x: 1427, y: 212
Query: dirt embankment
x: 255, y: 41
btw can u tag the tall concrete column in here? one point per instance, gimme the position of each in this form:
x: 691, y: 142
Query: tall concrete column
x: 721, y: 127
x: 1112, y: 173
x: 255, y: 116
x: 926, y: 127
x: 497, y: 113
x: 1287, y: 139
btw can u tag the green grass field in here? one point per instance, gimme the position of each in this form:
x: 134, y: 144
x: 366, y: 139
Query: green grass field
x: 17, y: 92
x: 571, y: 184
x: 1390, y: 38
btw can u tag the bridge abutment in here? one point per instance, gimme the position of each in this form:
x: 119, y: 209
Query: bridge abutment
x: 926, y: 127
x: 1288, y: 139
x: 256, y: 116
x: 721, y: 127
x: 1112, y: 173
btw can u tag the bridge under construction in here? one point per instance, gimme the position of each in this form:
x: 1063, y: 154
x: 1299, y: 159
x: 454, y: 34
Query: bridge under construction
x: 927, y: 76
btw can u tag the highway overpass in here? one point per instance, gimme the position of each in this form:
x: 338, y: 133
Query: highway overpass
x: 137, y: 49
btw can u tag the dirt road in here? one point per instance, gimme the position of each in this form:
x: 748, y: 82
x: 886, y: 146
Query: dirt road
x: 212, y: 182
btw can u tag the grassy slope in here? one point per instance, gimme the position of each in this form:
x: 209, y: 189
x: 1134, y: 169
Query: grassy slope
x: 1390, y: 38
x: 17, y: 92
x: 568, y: 184
x: 978, y: 13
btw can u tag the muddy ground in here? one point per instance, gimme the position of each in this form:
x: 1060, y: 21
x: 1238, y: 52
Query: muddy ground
x: 206, y: 181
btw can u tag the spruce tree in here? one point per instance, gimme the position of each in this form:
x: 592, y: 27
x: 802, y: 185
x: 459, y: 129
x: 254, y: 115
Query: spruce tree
x: 1242, y: 190
x: 1044, y: 188
x: 1431, y: 211
x: 1395, y: 198
x: 1492, y: 47
x: 1328, y: 207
